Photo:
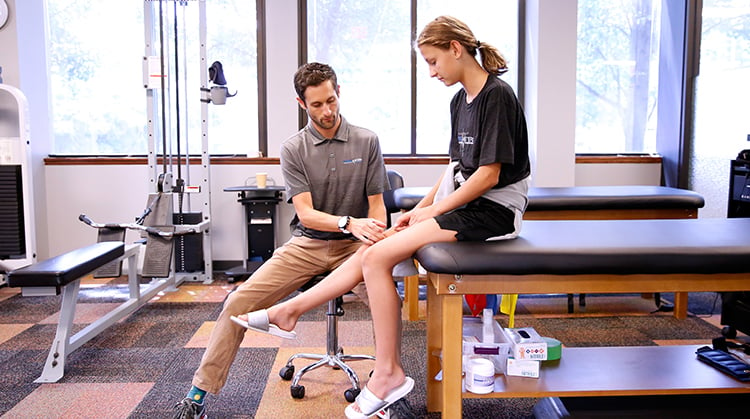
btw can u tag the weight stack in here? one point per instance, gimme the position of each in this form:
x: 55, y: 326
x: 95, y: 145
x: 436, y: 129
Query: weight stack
x: 188, y: 248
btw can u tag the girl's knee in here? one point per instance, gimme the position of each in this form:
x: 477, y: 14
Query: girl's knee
x: 370, y: 258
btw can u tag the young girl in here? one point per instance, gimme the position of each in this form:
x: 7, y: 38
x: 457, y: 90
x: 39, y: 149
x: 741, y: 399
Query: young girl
x: 481, y: 196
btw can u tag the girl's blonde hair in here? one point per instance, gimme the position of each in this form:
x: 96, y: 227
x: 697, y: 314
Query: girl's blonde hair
x: 444, y: 29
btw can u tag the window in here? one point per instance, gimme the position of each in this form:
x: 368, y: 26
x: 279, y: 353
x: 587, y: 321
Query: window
x: 721, y: 106
x: 493, y: 22
x: 617, y: 76
x: 369, y: 44
x: 98, y: 98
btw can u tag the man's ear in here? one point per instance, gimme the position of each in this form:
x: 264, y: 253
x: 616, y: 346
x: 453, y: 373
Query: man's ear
x: 301, y: 103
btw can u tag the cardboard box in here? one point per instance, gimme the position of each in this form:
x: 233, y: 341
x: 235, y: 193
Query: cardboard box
x: 522, y: 368
x: 526, y: 344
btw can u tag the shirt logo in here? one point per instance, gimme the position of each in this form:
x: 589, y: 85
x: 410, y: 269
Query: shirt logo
x: 464, y: 140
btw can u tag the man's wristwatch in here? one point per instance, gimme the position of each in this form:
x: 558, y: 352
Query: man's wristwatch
x: 343, y: 223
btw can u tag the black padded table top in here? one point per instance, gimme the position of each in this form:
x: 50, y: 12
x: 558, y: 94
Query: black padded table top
x: 584, y: 197
x: 60, y: 270
x: 612, y: 197
x: 602, y: 247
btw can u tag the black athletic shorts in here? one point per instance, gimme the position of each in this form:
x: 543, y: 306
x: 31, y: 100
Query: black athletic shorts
x: 479, y: 220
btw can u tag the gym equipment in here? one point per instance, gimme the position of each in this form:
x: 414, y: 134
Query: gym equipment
x: 63, y: 273
x: 735, y: 306
x: 17, y: 232
x: 167, y: 74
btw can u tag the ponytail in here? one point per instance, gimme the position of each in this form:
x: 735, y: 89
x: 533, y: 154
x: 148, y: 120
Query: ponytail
x: 492, y: 60
x: 444, y: 29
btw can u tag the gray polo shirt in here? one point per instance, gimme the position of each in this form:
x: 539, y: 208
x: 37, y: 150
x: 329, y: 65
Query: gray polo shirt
x: 340, y: 173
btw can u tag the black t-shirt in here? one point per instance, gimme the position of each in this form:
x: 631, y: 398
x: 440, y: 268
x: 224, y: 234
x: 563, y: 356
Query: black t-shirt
x: 490, y: 129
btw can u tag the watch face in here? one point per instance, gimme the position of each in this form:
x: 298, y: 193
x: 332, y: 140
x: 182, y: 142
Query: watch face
x: 343, y: 221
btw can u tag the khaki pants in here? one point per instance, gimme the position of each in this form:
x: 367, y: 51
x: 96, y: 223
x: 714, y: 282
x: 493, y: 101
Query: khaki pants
x: 291, y: 265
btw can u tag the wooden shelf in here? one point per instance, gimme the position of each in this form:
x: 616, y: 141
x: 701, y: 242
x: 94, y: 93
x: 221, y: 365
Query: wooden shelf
x: 620, y: 371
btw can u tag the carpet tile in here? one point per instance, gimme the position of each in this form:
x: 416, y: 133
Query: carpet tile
x: 81, y: 400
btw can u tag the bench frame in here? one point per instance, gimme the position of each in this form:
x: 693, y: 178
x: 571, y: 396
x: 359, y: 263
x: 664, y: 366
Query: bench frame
x: 445, y: 319
x: 65, y: 342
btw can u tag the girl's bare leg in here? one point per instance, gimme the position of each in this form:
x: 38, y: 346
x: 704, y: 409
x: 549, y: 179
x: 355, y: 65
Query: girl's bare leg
x: 385, y: 306
x: 337, y: 283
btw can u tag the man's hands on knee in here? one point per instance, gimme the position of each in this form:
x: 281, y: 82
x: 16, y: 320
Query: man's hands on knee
x: 368, y: 230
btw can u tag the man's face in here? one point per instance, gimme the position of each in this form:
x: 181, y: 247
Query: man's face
x: 322, y: 105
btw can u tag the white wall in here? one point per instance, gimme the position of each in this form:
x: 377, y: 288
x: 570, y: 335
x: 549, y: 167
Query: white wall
x: 281, y: 56
x: 610, y: 174
x: 550, y: 99
x: 118, y: 194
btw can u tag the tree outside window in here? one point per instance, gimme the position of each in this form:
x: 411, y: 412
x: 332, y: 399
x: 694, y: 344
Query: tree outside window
x: 96, y: 56
x: 617, y: 76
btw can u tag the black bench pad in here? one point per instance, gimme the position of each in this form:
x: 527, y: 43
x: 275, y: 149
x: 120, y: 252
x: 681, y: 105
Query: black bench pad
x: 60, y: 270
x: 602, y: 247
x: 612, y: 197
x: 585, y: 198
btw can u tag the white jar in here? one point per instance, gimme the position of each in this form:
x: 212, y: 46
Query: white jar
x: 480, y: 376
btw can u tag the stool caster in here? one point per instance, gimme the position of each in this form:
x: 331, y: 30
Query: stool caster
x: 286, y: 373
x: 297, y: 391
x: 729, y: 332
x: 351, y: 394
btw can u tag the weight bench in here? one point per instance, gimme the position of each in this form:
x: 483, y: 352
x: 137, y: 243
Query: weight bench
x: 63, y: 273
x: 592, y: 256
x: 577, y: 203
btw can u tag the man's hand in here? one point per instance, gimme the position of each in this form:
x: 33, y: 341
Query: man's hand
x: 368, y: 230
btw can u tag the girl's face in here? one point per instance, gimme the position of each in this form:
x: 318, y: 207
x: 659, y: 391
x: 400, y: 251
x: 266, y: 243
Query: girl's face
x: 442, y: 63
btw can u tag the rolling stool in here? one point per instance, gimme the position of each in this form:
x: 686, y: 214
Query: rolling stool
x: 334, y: 357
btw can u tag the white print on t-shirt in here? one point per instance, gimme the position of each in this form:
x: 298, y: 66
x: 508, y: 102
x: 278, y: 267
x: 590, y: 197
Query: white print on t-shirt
x: 464, y: 139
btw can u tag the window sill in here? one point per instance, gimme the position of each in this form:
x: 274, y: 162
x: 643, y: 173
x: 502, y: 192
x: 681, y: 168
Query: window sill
x: 618, y: 158
x: 237, y: 160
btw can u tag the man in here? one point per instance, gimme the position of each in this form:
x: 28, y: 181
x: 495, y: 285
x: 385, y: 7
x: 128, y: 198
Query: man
x: 335, y: 178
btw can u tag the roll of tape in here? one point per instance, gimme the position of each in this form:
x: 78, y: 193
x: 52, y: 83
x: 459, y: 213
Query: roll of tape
x: 554, y: 348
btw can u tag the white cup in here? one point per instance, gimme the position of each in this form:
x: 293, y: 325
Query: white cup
x: 480, y: 376
x: 219, y: 95
x: 261, y: 179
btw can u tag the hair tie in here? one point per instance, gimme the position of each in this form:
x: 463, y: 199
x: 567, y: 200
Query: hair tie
x: 479, y: 44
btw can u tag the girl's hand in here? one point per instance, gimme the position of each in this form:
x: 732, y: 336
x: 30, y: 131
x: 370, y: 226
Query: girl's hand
x: 421, y: 214
x: 415, y: 216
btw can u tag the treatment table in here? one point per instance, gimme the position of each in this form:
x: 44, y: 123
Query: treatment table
x: 578, y: 203
x: 590, y: 256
